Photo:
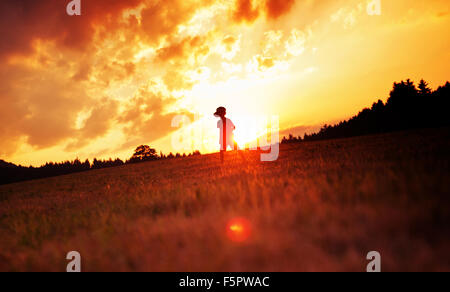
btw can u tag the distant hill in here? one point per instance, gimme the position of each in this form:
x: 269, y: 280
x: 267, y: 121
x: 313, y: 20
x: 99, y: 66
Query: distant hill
x: 300, y: 130
x: 4, y: 164
x: 11, y: 173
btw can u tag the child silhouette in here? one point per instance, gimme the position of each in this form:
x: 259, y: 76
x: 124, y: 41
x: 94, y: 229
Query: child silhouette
x: 226, y: 127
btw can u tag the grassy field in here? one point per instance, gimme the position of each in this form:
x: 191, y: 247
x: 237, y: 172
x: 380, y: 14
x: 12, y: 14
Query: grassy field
x: 321, y: 207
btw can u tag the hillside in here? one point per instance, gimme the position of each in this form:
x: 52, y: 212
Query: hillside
x: 321, y: 207
x: 407, y: 107
x: 4, y: 164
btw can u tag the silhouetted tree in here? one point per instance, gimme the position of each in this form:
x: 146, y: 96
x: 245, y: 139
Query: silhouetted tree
x: 291, y: 139
x: 144, y: 153
x: 424, y: 90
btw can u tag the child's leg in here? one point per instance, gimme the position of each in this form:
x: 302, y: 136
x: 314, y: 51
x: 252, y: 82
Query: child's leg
x: 222, y: 153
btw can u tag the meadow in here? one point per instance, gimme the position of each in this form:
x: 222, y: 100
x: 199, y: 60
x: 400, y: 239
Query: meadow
x: 322, y: 206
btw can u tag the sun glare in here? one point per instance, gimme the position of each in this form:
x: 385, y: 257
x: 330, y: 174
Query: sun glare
x: 239, y: 230
x: 247, y: 135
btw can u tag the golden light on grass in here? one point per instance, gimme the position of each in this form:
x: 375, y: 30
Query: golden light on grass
x: 154, y: 218
x: 239, y: 230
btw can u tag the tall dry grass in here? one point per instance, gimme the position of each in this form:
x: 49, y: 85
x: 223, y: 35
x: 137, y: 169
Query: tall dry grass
x: 321, y: 207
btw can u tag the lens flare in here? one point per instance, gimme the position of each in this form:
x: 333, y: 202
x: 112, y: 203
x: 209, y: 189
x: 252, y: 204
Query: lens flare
x: 239, y: 230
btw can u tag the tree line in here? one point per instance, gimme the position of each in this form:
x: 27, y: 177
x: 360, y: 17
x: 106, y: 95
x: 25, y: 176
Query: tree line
x: 10, y: 173
x: 408, y: 107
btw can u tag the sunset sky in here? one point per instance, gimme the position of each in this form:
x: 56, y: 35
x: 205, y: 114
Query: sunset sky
x: 100, y: 84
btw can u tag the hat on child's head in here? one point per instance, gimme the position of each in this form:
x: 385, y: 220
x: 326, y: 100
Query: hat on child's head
x: 221, y: 111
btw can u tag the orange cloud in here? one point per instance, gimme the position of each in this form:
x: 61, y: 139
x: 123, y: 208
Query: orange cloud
x: 229, y: 42
x: 161, y: 18
x: 23, y: 22
x: 41, y: 107
x: 265, y: 62
x: 249, y: 11
x: 277, y: 8
x: 245, y: 11
x: 145, y: 115
x: 182, y: 49
x: 96, y: 125
x: 54, y: 67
